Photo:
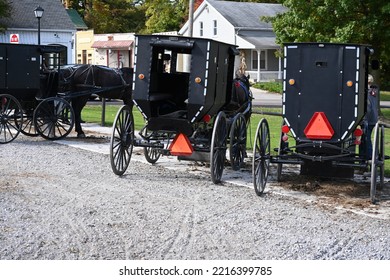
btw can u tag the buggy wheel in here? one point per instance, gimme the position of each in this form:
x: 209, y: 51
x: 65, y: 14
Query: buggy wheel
x: 377, y: 161
x: 237, y: 135
x: 54, y: 118
x: 28, y: 127
x: 10, y: 118
x: 122, y: 139
x: 279, y: 167
x: 151, y: 154
x: 261, y: 156
x: 218, y: 147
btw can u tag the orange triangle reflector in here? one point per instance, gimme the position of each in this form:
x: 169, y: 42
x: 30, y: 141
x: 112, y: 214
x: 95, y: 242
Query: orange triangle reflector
x: 319, y: 127
x: 181, y: 146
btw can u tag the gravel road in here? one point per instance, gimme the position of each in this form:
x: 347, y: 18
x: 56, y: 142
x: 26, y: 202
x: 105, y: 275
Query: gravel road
x: 61, y: 202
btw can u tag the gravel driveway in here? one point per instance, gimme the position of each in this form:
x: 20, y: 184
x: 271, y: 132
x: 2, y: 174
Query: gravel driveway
x: 61, y: 202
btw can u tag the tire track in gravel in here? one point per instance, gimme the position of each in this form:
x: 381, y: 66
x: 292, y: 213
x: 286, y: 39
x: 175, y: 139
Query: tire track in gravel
x: 82, y: 235
x: 181, y: 238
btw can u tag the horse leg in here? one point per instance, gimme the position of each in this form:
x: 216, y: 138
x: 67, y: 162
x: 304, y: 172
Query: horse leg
x: 78, y: 104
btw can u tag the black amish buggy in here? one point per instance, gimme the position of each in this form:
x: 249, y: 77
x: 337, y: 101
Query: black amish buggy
x: 192, y: 105
x: 41, y: 95
x: 324, y: 101
x: 28, y: 92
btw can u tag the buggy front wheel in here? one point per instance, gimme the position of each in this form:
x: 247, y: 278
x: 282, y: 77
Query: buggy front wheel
x: 11, y: 118
x: 28, y: 127
x: 261, y: 156
x: 151, y: 154
x: 122, y: 140
x: 237, y: 147
x: 53, y: 118
x: 377, y: 161
x: 218, y: 147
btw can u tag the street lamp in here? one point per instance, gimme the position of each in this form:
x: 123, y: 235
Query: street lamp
x: 38, y: 14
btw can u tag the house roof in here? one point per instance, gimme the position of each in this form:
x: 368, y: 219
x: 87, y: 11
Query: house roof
x: 54, y: 17
x: 246, y: 19
x: 260, y: 39
x: 112, y: 44
x: 247, y: 15
x: 77, y: 20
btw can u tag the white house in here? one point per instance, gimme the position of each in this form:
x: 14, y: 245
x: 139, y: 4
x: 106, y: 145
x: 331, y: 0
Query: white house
x: 56, y: 26
x: 240, y: 23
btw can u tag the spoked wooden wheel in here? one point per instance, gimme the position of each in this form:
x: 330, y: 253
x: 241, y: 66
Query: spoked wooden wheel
x: 54, y: 118
x: 10, y: 118
x: 28, y: 127
x: 279, y: 167
x: 151, y: 154
x: 237, y: 148
x: 122, y: 140
x: 218, y: 147
x: 261, y: 156
x: 377, y: 161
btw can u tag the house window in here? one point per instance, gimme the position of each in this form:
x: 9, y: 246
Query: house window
x: 201, y: 28
x: 215, y: 26
x: 255, y: 58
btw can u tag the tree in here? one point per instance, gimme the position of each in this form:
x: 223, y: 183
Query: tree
x: 5, y: 11
x: 259, y: 1
x: 338, y: 21
x: 165, y: 15
x: 109, y: 16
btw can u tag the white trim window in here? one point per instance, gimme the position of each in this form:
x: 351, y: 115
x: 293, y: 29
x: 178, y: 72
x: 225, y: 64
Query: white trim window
x: 215, y: 27
x: 201, y: 28
x: 255, y: 60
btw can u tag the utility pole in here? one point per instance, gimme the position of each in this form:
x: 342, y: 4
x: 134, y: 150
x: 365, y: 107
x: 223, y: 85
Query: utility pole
x: 191, y: 18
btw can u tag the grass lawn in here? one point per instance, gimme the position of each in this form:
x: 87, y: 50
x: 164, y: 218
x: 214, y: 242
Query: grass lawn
x: 92, y: 113
x: 385, y: 95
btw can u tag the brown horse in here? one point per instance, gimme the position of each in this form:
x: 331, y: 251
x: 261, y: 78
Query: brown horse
x: 84, y: 80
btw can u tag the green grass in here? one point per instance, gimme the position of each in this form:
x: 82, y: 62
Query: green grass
x: 385, y: 95
x: 92, y: 113
x: 275, y: 87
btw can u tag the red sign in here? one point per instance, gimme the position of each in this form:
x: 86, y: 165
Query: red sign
x: 319, y: 127
x: 14, y: 38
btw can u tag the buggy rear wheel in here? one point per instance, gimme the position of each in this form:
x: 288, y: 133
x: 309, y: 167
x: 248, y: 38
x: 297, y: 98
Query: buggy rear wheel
x: 151, y: 154
x: 261, y: 156
x: 122, y: 139
x: 11, y: 118
x: 237, y: 135
x: 218, y: 147
x: 54, y: 118
x: 377, y: 161
x: 282, y: 146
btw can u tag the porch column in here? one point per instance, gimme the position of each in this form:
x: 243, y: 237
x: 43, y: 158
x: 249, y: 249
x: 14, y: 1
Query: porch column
x: 258, y: 65
x: 280, y: 68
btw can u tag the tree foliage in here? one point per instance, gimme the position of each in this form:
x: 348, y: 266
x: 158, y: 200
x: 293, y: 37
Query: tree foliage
x: 338, y: 21
x: 5, y: 10
x: 111, y: 16
x: 165, y: 15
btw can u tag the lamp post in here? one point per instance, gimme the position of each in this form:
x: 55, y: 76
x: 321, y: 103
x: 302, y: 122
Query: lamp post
x: 38, y: 14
